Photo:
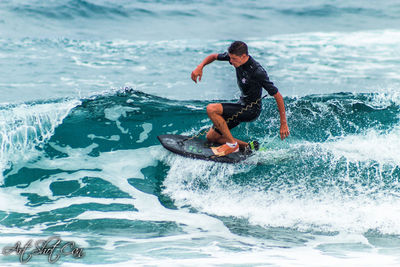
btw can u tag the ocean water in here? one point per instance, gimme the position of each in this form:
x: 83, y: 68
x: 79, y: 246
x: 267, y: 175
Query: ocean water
x: 86, y: 87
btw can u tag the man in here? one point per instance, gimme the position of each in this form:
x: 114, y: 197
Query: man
x: 251, y: 78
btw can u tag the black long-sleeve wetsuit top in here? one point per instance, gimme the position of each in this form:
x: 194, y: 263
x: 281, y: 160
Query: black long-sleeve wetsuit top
x: 251, y: 78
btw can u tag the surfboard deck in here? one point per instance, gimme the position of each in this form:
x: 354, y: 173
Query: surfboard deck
x: 197, y: 148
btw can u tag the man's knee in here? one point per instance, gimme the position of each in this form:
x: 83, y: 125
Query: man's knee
x: 215, y: 108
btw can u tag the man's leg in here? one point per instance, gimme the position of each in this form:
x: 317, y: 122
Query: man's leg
x: 215, y: 137
x: 214, y: 112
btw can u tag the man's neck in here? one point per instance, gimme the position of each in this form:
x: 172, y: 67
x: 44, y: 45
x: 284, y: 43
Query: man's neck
x: 246, y: 59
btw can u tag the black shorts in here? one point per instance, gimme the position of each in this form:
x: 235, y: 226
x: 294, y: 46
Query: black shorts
x: 230, y: 110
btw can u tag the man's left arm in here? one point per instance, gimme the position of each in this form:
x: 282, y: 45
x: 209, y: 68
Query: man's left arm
x: 262, y: 76
x: 284, y: 131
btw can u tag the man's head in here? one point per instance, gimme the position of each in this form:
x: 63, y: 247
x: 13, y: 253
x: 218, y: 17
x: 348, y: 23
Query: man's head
x: 238, y: 53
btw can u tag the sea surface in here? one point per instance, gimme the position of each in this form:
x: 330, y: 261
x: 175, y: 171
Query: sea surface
x: 87, y: 86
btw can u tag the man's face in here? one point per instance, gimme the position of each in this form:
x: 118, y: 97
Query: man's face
x: 237, y: 61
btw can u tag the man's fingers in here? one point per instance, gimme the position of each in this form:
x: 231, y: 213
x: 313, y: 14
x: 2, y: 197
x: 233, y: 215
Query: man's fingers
x: 284, y: 134
x: 194, y: 77
x: 196, y: 74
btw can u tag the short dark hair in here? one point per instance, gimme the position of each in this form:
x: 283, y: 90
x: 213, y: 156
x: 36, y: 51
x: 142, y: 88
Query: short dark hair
x: 238, y: 48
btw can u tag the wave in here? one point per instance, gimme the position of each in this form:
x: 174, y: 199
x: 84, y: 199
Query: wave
x: 331, y: 10
x: 340, y: 165
x: 75, y: 9
x: 104, y: 9
x: 340, y: 160
x: 26, y: 126
x: 313, y: 118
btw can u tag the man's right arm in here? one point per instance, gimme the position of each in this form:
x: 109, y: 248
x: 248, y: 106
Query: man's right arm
x: 198, y: 71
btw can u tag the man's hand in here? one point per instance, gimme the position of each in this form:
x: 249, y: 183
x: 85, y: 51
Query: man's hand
x: 198, y: 72
x: 284, y: 131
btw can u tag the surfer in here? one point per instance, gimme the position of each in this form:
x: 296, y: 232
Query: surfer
x: 251, y: 78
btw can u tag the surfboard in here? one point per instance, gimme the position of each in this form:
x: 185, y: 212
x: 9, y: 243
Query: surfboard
x: 197, y: 148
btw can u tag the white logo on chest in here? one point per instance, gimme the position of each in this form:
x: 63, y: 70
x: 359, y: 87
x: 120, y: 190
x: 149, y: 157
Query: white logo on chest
x: 244, y: 80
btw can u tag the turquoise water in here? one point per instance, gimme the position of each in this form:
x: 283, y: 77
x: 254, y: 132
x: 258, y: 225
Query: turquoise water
x: 88, y: 85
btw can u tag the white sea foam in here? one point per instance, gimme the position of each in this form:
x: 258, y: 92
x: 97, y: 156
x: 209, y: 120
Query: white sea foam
x: 115, y: 167
x: 147, y: 127
x: 111, y: 138
x: 209, y: 188
x: 373, y: 145
x: 22, y: 127
x: 213, y: 255
x: 114, y: 113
